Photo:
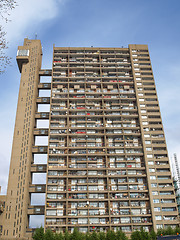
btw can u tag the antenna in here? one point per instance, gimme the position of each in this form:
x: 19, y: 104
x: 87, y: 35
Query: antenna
x: 35, y: 35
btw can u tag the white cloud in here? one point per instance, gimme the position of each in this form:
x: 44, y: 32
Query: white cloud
x: 29, y: 14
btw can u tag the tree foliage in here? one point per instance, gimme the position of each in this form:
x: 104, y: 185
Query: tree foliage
x: 39, y: 234
x: 120, y: 235
x: 153, y: 235
x: 49, y: 235
x: 6, y: 6
x: 110, y: 235
x: 168, y: 231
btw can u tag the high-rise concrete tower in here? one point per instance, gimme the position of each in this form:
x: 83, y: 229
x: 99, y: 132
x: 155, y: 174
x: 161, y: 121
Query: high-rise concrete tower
x: 105, y: 157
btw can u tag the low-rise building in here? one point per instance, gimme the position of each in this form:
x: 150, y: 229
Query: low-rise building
x: 2, y: 204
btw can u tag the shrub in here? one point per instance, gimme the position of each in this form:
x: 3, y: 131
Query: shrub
x: 121, y: 236
x: 39, y: 234
x: 49, y: 235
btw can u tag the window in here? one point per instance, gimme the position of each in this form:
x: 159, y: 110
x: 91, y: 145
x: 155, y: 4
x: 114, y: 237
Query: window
x: 148, y: 149
x: 51, y: 212
x: 158, y: 218
x: 153, y: 177
x: 166, y: 193
x: 23, y: 52
x: 155, y: 200
x: 142, y: 105
x: 153, y: 184
x: 146, y: 135
x: 158, y: 226
x: 150, y: 163
x: 147, y: 142
x: 151, y: 170
x: 149, y: 156
x: 93, y: 220
x: 169, y: 209
x: 82, y: 220
x: 157, y: 209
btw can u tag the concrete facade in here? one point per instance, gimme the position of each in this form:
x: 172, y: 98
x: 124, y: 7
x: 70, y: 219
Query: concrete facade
x: 107, y: 162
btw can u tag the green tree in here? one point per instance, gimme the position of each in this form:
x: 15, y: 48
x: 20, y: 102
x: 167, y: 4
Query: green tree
x: 144, y: 235
x: 161, y: 231
x: 58, y: 236
x: 94, y: 236
x: 177, y: 230
x: 102, y: 236
x: 39, y: 234
x: 49, y: 235
x: 136, y: 235
x: 153, y: 235
x: 88, y: 236
x: 170, y: 231
x: 111, y: 235
x: 121, y: 236
x: 76, y: 235
x: 66, y: 235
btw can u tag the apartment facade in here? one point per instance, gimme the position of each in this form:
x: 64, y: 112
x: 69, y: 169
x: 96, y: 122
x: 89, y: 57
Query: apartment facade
x: 105, y: 157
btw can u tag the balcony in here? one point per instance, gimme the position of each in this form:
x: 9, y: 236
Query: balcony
x: 41, y: 132
x: 44, y: 86
x: 36, y: 210
x: 37, y: 188
x: 45, y: 72
x: 42, y: 115
x: 22, y: 57
x: 43, y: 100
x: 39, y: 149
x: 38, y: 168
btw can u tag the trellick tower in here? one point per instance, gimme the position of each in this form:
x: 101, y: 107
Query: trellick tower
x: 107, y: 164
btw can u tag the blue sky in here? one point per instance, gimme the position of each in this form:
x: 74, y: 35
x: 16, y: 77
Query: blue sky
x: 98, y: 23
